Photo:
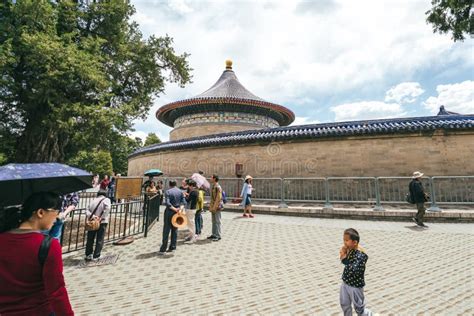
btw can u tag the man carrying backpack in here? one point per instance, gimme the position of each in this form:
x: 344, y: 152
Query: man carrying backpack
x: 418, y: 197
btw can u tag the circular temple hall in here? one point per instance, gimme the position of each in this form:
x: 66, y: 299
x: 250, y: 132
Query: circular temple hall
x: 228, y: 126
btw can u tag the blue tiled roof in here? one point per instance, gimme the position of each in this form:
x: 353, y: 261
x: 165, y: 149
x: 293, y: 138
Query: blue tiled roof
x: 315, y: 131
x: 228, y: 86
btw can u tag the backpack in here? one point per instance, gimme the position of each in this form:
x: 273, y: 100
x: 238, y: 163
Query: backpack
x: 44, y: 249
x: 224, y: 197
x: 409, y: 198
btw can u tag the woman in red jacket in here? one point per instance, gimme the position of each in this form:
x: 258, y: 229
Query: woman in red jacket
x: 29, y: 287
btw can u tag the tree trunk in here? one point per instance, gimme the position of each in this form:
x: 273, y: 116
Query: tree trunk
x: 41, y: 143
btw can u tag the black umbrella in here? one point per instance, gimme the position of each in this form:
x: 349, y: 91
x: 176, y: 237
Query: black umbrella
x: 19, y: 181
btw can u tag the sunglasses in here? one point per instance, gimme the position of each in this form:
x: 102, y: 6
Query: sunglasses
x: 52, y: 210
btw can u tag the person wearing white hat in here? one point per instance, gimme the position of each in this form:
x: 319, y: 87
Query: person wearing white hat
x: 419, y: 197
x: 246, y: 195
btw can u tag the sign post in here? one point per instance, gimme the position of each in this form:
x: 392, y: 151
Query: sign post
x: 127, y: 188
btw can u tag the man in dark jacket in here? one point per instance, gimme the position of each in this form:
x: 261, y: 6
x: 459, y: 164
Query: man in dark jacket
x: 174, y: 201
x: 419, y: 197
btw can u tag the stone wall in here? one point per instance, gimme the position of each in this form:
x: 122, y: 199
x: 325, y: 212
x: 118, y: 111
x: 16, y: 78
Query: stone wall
x: 200, y: 124
x: 225, y: 117
x: 440, y: 153
x: 208, y: 129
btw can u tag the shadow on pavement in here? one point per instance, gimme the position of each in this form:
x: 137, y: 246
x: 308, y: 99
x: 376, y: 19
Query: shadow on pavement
x: 153, y: 254
x: 240, y: 217
x: 72, y: 261
x: 416, y: 228
x: 203, y: 241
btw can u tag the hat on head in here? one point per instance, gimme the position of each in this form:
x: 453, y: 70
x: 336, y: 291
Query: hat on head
x: 417, y: 174
x: 248, y: 177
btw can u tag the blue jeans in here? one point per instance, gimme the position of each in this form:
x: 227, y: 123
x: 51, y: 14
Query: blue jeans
x: 56, y: 230
x: 198, y: 220
x: 248, y: 201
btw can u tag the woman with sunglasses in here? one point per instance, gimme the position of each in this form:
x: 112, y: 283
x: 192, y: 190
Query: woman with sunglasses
x: 31, y: 283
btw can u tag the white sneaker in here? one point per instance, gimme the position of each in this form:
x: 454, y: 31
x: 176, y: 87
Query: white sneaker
x: 89, y: 258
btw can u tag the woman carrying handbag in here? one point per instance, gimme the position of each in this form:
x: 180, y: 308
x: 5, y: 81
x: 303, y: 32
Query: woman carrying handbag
x: 96, y: 224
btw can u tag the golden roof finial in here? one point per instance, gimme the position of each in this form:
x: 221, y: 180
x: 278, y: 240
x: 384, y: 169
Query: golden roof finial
x: 228, y: 64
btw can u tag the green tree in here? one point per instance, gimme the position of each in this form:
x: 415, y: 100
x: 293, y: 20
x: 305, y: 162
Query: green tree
x: 94, y: 161
x: 453, y: 16
x: 7, y: 146
x: 120, y: 149
x: 73, y: 74
x: 152, y: 139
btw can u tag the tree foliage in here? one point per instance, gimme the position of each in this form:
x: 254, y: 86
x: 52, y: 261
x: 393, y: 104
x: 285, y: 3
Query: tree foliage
x: 75, y: 74
x: 151, y: 139
x: 451, y: 16
x: 94, y: 161
x: 120, y: 148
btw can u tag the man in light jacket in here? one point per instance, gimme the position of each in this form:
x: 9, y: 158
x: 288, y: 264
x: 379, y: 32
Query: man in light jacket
x: 215, y: 207
x: 99, y: 208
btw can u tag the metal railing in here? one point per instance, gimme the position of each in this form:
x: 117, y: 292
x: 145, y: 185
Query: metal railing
x: 126, y: 218
x: 152, y: 211
x: 373, y: 191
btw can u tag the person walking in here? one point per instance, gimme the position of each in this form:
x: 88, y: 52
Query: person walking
x: 246, y: 195
x: 192, y: 199
x: 199, y: 210
x: 419, y: 197
x: 354, y: 259
x: 174, y: 198
x: 99, y: 209
x: 111, y: 188
x: 147, y: 182
x: 159, y: 187
x: 68, y: 204
x: 31, y: 265
x: 215, y: 207
x: 95, y: 181
x: 152, y: 189
x: 104, y: 183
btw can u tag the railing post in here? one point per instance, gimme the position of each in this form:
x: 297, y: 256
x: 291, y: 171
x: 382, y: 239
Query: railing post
x: 145, y: 217
x: 378, y: 206
x: 282, y: 194
x: 327, y: 205
x: 434, y: 207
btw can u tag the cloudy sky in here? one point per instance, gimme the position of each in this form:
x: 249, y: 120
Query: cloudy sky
x: 326, y: 60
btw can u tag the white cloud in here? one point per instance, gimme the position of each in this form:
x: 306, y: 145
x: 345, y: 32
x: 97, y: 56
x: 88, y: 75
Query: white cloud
x: 300, y: 120
x: 180, y: 6
x: 458, y: 97
x: 278, y: 53
x: 336, y: 48
x: 367, y: 110
x: 405, y: 92
x: 140, y: 134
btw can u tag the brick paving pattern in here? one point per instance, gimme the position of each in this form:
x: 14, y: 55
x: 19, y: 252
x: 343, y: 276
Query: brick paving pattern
x: 281, y: 265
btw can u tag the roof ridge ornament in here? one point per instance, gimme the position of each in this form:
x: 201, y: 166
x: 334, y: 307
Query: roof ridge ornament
x: 442, y: 111
x: 228, y: 64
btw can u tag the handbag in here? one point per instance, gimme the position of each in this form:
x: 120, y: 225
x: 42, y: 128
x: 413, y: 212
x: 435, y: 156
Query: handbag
x: 409, y: 198
x: 93, y: 224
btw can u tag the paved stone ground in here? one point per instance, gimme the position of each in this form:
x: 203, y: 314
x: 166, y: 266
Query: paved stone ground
x: 282, y: 265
